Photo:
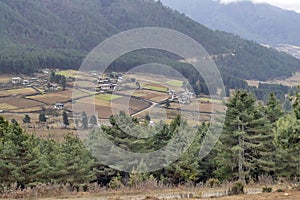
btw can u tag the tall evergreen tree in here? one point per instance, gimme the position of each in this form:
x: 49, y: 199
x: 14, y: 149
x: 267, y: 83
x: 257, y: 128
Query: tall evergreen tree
x: 42, y: 117
x: 274, y: 109
x: 26, y: 119
x: 84, y: 120
x: 76, y: 163
x: 241, y: 142
x: 93, y: 120
x: 65, y: 119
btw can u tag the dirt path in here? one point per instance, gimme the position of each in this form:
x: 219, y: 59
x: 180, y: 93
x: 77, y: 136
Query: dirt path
x: 144, y: 110
x: 292, y: 195
x: 295, y: 195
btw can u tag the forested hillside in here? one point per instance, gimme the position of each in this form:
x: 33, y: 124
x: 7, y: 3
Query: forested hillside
x: 260, y: 22
x: 36, y: 34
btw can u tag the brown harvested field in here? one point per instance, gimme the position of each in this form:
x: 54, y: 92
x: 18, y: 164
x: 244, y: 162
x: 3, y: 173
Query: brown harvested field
x: 106, y: 108
x: 167, y: 115
x: 22, y: 92
x: 52, y: 98
x: 104, y: 112
x: 135, y: 105
x: 201, y: 107
x: 27, y: 110
x: 90, y: 100
x: 147, y: 94
x: 60, y: 96
x: 18, y: 103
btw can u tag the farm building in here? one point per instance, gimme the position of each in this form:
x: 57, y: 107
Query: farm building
x: 182, y: 97
x: 16, y: 80
x: 59, y: 106
x: 25, y: 82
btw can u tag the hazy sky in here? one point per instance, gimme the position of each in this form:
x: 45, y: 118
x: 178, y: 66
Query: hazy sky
x: 286, y: 4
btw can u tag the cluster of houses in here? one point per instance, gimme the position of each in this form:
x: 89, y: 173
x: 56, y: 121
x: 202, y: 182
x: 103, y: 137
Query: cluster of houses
x: 40, y: 80
x: 26, y: 82
x: 107, y: 84
x: 184, y: 97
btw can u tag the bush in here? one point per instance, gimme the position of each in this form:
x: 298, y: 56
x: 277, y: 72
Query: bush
x: 213, y: 182
x: 135, y: 178
x: 280, y: 190
x: 237, y: 188
x: 85, y: 188
x: 116, y: 182
x: 267, y: 189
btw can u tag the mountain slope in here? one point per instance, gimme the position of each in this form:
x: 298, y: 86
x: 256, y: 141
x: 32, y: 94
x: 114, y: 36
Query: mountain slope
x: 59, y: 33
x: 260, y: 22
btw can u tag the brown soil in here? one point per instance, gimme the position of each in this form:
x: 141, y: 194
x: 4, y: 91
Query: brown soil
x: 20, y: 103
x: 52, y: 98
x: 293, y: 195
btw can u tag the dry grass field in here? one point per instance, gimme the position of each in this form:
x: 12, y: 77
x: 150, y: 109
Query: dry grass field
x: 18, y: 92
x: 154, y: 96
x: 52, y: 98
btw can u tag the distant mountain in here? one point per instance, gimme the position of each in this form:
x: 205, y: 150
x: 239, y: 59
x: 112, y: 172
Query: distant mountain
x: 259, y: 22
x: 59, y: 34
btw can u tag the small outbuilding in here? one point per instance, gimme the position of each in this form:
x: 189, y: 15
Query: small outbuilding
x: 59, y: 106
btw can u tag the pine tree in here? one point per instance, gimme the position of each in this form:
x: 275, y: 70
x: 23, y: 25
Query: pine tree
x: 273, y: 110
x: 26, y: 119
x: 241, y: 142
x: 42, y: 117
x: 93, y: 120
x: 168, y: 104
x: 63, y: 82
x: 76, y: 163
x: 65, y: 119
x: 52, y: 77
x: 14, y: 121
x: 84, y: 120
x: 287, y: 130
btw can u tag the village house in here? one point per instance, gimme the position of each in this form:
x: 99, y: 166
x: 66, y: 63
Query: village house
x: 182, y: 97
x: 16, y: 80
x: 33, y: 80
x: 59, y: 106
x: 105, y: 84
x: 25, y: 82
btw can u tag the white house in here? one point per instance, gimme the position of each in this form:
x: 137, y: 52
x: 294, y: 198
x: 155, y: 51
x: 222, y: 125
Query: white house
x: 59, y: 106
x: 25, y: 82
x: 16, y: 80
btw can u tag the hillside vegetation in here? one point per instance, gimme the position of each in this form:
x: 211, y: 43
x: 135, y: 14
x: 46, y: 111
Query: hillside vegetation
x: 255, y: 21
x: 60, y: 33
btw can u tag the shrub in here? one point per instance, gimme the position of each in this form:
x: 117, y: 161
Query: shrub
x: 280, y: 190
x: 85, y: 188
x: 237, y: 188
x: 213, y: 182
x: 267, y: 189
x: 135, y: 178
x: 116, y: 182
